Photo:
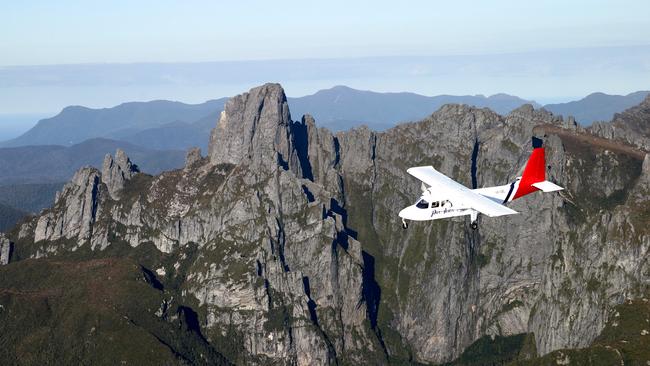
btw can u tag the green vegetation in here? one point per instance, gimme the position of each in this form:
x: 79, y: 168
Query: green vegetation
x: 482, y: 260
x: 510, y: 146
x: 596, y: 355
x: 593, y: 284
x: 97, y: 311
x: 230, y: 341
x: 624, y: 340
x: 497, y: 351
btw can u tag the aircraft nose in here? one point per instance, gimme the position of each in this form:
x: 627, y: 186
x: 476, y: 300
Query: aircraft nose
x: 404, y: 213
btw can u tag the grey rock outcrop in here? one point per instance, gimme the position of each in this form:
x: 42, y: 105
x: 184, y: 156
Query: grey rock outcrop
x: 75, y: 210
x: 288, y: 237
x: 262, y: 137
x: 5, y: 249
x: 116, y: 171
x: 192, y: 157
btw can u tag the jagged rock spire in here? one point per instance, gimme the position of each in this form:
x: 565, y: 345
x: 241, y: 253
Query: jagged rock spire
x: 255, y: 127
x: 192, y: 157
x: 79, y: 201
x: 115, y: 172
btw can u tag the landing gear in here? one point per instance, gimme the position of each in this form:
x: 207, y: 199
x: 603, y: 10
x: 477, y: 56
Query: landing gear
x: 474, y: 220
x: 405, y: 225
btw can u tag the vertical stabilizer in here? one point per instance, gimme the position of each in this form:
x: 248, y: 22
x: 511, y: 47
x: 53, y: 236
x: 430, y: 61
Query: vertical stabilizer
x: 534, y: 172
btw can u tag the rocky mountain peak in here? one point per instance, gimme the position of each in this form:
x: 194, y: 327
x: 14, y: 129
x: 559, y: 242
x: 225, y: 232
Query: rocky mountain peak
x: 539, y: 115
x: 255, y: 127
x: 116, y: 171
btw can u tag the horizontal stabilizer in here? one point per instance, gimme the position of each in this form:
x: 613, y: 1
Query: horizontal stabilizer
x: 547, y: 186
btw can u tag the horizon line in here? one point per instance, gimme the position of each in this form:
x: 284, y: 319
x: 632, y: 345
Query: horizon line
x: 103, y: 63
x: 531, y: 101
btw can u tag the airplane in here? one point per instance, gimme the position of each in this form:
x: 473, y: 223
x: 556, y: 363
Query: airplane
x: 442, y: 197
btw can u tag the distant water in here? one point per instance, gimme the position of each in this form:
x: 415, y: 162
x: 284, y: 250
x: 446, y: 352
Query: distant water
x: 14, y: 125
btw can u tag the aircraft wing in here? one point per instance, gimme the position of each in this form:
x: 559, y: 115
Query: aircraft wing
x: 459, y: 192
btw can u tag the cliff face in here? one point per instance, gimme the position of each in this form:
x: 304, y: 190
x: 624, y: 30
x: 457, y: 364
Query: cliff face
x: 286, y: 240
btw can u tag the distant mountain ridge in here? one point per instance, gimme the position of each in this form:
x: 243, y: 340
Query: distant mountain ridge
x: 597, y: 106
x: 176, y: 135
x: 54, y: 163
x: 342, y: 107
x: 29, y: 197
x: 166, y: 125
x: 76, y: 124
x: 9, y: 216
x: 162, y: 124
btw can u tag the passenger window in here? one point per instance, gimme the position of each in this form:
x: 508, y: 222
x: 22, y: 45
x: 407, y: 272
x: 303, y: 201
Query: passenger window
x: 422, y: 204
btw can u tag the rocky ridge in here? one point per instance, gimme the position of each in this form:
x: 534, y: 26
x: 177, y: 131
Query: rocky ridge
x: 630, y: 126
x: 287, y: 237
x: 115, y: 172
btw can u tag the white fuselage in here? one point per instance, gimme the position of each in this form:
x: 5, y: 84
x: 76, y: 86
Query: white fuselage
x: 432, y: 206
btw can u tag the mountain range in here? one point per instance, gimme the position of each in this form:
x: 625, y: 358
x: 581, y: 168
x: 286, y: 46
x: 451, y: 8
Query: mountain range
x: 155, y: 133
x: 127, y: 121
x: 597, y: 106
x: 53, y: 163
x: 341, y: 107
x: 283, y: 246
x: 166, y: 125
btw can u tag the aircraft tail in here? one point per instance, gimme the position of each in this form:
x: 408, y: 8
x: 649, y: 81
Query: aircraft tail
x: 534, y: 176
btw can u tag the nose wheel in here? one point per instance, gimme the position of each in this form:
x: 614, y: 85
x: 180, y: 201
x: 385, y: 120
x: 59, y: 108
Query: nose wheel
x: 405, y: 225
x: 474, y: 225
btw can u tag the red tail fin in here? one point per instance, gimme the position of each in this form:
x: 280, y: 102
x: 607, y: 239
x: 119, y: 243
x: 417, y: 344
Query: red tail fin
x: 534, y: 172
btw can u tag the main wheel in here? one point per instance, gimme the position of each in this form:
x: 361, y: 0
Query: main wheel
x: 474, y: 225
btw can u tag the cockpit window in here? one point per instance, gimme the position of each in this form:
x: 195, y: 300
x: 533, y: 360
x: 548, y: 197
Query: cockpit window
x: 435, y: 204
x: 422, y: 204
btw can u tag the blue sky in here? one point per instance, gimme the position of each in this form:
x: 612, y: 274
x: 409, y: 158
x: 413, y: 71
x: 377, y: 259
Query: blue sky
x: 55, y: 32
x: 99, y: 54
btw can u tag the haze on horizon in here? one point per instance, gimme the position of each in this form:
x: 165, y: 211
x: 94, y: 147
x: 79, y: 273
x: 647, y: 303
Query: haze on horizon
x: 100, y: 55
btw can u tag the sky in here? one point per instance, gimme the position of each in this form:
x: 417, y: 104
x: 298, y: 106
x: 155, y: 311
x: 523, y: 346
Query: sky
x: 99, y: 54
x: 65, y: 31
